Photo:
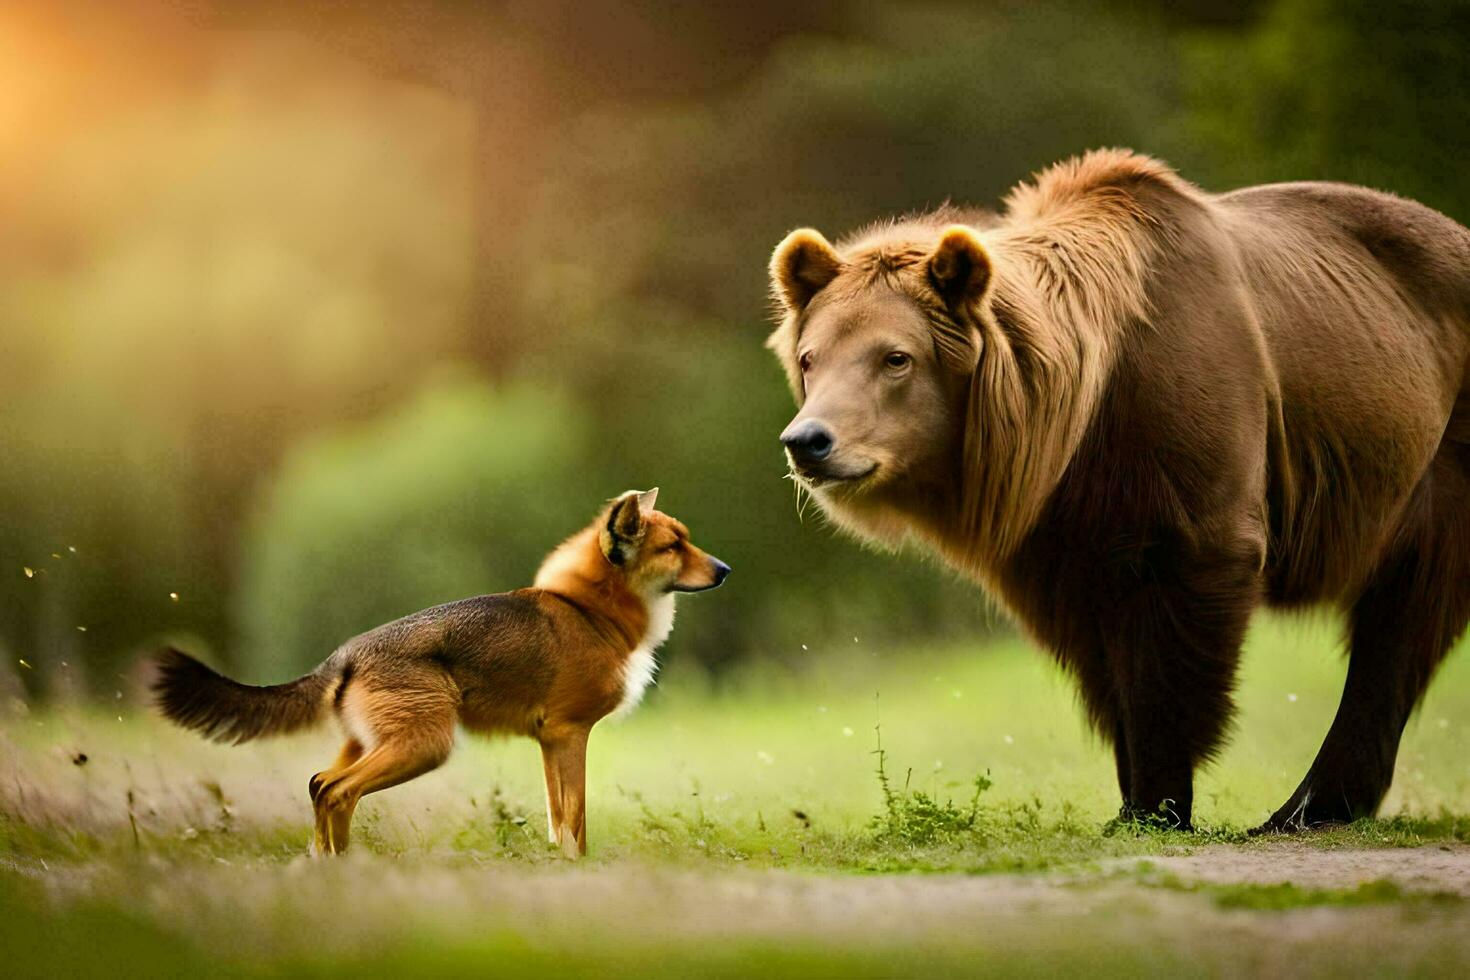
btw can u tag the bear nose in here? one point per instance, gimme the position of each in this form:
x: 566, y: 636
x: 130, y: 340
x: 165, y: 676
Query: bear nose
x: 808, y: 442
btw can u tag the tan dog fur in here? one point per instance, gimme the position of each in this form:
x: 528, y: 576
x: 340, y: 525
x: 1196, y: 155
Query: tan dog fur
x: 546, y: 662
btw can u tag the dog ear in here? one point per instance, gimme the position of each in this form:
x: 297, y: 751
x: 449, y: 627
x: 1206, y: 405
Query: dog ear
x: 960, y: 269
x: 647, y: 499
x: 624, y: 526
x: 802, y: 264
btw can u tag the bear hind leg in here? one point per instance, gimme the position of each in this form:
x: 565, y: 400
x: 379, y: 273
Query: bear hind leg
x: 1403, y: 624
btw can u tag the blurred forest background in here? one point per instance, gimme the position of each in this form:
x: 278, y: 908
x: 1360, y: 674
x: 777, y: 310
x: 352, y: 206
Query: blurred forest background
x: 312, y: 314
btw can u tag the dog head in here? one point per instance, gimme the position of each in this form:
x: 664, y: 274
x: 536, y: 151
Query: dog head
x: 653, y: 550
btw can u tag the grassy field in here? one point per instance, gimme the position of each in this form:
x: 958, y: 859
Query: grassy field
x: 747, y: 830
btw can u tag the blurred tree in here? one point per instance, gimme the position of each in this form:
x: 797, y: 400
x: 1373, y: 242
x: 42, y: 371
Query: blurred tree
x: 461, y: 491
x: 1375, y: 93
x: 243, y: 233
x: 201, y: 283
x: 96, y: 528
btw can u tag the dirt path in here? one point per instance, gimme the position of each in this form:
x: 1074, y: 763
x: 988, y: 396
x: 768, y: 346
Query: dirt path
x: 1436, y: 868
x: 773, y: 903
x: 1159, y: 914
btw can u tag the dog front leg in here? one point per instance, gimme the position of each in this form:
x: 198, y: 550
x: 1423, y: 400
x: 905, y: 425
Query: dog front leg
x: 566, y: 784
x: 553, y: 791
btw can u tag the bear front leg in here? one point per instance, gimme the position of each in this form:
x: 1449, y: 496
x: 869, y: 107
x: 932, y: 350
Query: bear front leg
x: 1161, y: 768
x: 1172, y: 645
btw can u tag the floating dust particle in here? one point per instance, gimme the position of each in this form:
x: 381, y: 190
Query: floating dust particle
x: 56, y: 555
x: 26, y: 665
x: 72, y: 548
x: 30, y: 572
x: 81, y: 629
x: 174, y: 596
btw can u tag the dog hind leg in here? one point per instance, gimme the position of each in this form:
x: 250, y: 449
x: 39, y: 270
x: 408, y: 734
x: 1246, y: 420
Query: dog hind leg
x: 351, y: 751
x: 413, y: 731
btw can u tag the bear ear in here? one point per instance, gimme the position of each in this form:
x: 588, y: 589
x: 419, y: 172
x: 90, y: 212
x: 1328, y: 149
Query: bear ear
x: 802, y: 264
x: 960, y: 268
x: 619, y: 538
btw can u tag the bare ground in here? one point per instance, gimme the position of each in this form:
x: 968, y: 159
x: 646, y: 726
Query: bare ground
x: 1434, y: 868
x: 1159, y: 909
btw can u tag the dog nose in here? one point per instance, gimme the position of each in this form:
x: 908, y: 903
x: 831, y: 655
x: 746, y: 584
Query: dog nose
x: 808, y: 442
x: 721, y: 570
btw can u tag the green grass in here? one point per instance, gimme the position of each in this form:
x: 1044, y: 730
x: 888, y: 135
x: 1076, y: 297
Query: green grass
x: 732, y: 830
x: 1285, y: 895
x: 1282, y: 896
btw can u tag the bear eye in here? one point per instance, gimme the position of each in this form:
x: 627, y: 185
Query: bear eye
x: 805, y: 361
x: 896, y: 360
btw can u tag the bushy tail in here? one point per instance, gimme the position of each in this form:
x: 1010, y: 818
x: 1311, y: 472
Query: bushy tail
x: 190, y: 694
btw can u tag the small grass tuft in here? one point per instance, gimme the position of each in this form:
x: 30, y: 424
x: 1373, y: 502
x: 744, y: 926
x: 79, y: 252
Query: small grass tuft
x: 914, y: 817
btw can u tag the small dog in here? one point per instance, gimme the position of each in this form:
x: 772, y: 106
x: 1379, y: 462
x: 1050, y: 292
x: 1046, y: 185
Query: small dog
x: 549, y: 662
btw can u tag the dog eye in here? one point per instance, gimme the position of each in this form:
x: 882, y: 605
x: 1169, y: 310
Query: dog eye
x: 896, y: 360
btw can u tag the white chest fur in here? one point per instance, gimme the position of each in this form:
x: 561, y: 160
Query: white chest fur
x: 641, y: 664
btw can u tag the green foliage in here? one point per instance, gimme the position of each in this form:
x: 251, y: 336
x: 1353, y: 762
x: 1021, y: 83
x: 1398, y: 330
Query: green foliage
x: 97, y: 527
x: 206, y: 283
x: 460, y: 492
x: 195, y: 276
x: 927, y: 103
x: 1350, y: 90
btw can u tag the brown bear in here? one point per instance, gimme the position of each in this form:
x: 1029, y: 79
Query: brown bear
x: 1133, y: 411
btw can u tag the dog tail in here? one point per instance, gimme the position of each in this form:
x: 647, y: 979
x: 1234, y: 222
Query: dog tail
x: 195, y: 697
